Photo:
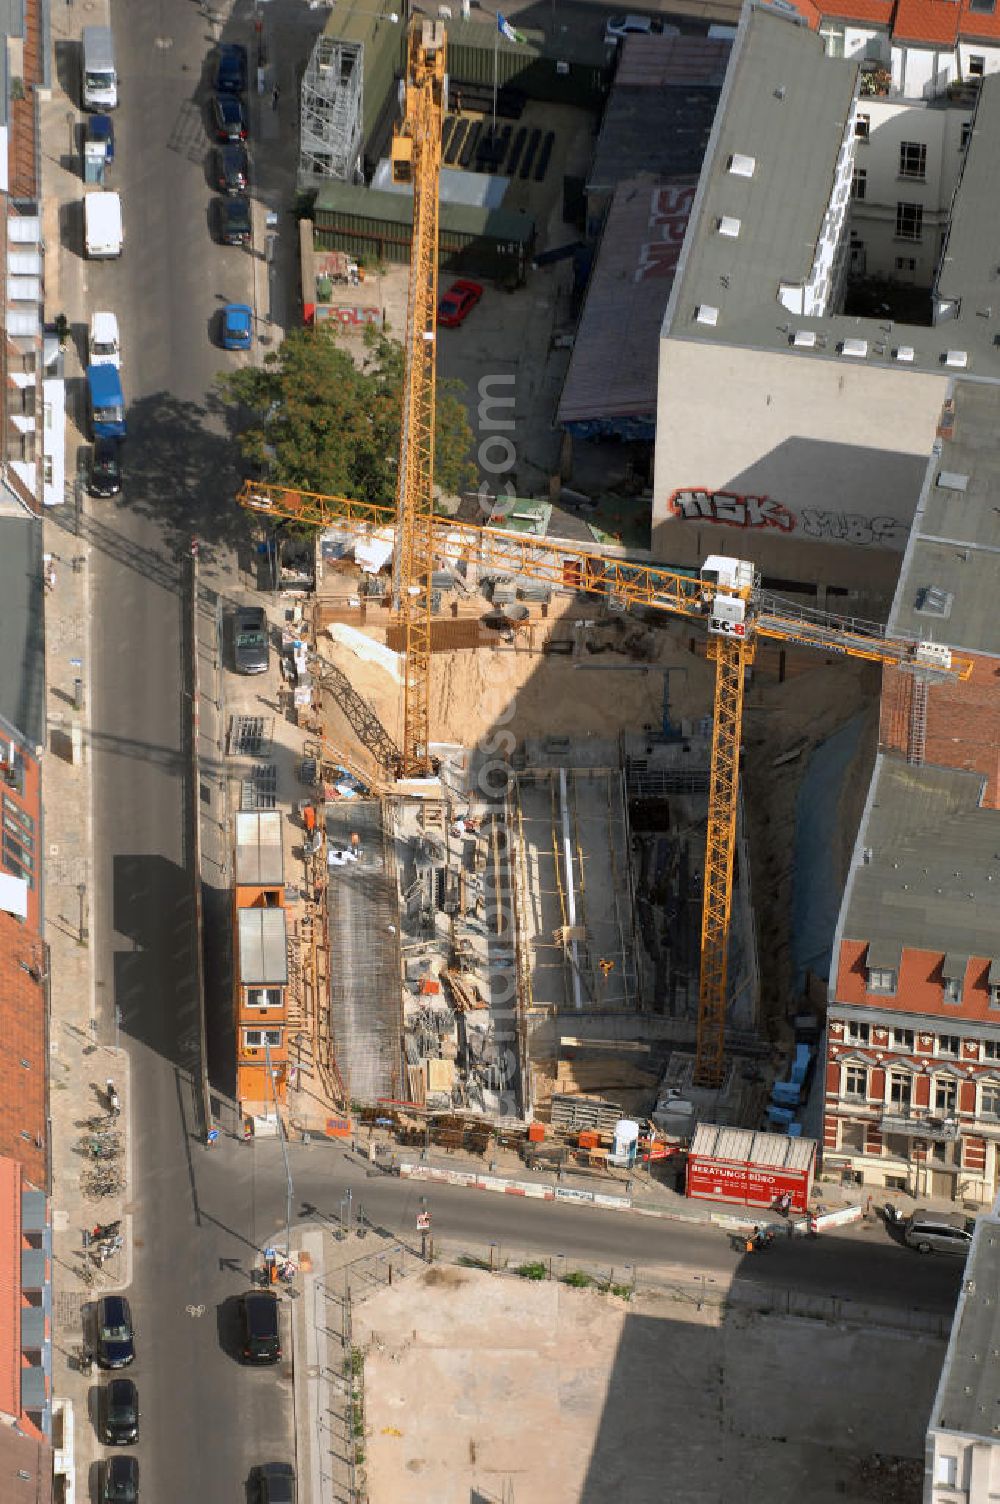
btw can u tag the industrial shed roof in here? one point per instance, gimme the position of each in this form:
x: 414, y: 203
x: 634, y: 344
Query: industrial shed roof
x: 613, y: 370
x: 259, y: 859
x: 349, y: 199
x: 263, y: 953
x: 745, y: 1146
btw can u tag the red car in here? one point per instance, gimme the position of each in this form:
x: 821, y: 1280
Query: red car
x: 457, y: 303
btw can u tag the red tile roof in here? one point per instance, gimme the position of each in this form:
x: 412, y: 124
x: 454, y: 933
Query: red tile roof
x: 927, y: 21
x: 10, y: 1287
x: 877, y: 11
x: 23, y: 1063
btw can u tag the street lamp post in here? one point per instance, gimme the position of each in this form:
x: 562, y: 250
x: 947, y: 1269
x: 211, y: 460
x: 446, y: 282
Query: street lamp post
x: 284, y: 1150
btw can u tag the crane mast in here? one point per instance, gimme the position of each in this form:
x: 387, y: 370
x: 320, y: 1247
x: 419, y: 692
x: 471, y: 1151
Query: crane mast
x: 416, y: 160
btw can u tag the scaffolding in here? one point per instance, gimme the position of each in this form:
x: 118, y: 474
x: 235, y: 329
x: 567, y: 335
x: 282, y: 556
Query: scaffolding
x: 331, y: 113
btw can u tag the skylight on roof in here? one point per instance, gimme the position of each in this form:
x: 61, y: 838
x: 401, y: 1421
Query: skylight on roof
x: 858, y: 348
x: 705, y: 313
x: 905, y: 353
x: 804, y: 339
x: 742, y: 166
x: 729, y: 225
x: 982, y: 7
x: 933, y: 600
x: 958, y: 359
x: 953, y: 480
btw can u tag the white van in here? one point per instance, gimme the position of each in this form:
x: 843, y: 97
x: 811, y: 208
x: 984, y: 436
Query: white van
x: 102, y: 225
x: 104, y: 345
x: 100, y: 77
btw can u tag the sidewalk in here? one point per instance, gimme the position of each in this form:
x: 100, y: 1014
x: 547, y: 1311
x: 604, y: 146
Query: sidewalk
x: 83, y: 1050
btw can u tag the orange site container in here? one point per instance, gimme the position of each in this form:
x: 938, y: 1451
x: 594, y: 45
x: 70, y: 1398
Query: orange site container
x: 536, y: 1133
x: 589, y: 1139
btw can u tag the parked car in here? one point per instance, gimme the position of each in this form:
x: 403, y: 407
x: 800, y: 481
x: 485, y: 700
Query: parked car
x: 618, y: 27
x: 939, y: 1232
x: 234, y: 222
x: 232, y: 168
x: 231, y: 69
x: 275, y: 1483
x: 237, y: 326
x: 457, y: 303
x: 106, y: 468
x: 120, y: 1481
x: 115, y: 1332
x: 229, y: 118
x: 259, y: 1329
x: 121, y: 1413
x: 251, y: 647
x: 103, y: 340
x: 102, y: 128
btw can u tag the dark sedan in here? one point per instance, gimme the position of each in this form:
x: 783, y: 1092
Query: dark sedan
x: 229, y: 118
x: 115, y: 1332
x: 121, y: 1481
x: 231, y: 69
x: 232, y: 168
x: 121, y: 1413
x: 106, y: 468
x: 235, y: 225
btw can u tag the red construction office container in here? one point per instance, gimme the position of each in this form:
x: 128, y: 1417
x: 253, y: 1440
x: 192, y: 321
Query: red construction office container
x: 749, y: 1168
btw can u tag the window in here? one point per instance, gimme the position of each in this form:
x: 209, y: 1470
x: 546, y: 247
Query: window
x: 977, y: 65
x: 856, y: 1083
x: 859, y: 183
x: 990, y: 1049
x: 989, y: 1100
x: 253, y: 1039
x: 900, y: 1089
x: 862, y: 127
x: 995, y: 997
x: 949, y: 1044
x: 47, y: 469
x: 264, y: 997
x: 982, y: 7
x: 906, y: 263
x: 856, y: 1033
x: 946, y: 1471
x: 909, y: 221
x: 902, y: 1039
x: 945, y: 1094
x: 966, y: 134
x: 953, y: 990
x: 881, y: 979
x: 913, y: 160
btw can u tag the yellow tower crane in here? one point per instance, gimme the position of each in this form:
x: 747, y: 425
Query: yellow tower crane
x: 416, y: 160
x: 726, y: 596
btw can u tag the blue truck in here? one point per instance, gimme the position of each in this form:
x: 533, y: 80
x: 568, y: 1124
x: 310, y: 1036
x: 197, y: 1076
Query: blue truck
x: 107, y: 402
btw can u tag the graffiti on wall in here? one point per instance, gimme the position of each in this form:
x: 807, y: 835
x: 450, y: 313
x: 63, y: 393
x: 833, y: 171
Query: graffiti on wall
x: 352, y: 316
x: 669, y: 212
x: 731, y: 509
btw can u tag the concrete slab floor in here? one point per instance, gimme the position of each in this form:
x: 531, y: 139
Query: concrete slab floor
x: 474, y: 1384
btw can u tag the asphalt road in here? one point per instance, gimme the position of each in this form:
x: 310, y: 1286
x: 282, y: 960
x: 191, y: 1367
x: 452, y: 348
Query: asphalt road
x: 205, y: 1419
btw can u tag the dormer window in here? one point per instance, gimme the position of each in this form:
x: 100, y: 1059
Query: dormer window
x: 993, y: 983
x: 882, y: 967
x: 953, y: 969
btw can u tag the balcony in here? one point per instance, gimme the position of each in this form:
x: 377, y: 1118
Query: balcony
x: 919, y: 1125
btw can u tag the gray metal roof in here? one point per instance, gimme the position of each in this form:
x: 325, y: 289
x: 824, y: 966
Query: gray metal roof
x: 22, y: 650
x: 948, y: 584
x: 397, y: 208
x: 786, y: 104
x: 932, y: 874
x: 263, y: 952
x: 259, y: 857
x: 968, y: 1397
x: 662, y: 130
x: 613, y: 370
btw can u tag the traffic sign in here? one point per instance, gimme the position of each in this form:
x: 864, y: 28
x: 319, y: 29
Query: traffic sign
x: 423, y: 1221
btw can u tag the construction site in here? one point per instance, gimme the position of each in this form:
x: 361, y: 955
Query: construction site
x: 526, y: 892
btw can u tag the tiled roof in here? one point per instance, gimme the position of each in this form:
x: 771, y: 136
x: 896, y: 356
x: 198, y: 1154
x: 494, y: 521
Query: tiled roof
x: 22, y: 1050
x: 927, y: 21
x: 877, y: 11
x: 10, y: 1287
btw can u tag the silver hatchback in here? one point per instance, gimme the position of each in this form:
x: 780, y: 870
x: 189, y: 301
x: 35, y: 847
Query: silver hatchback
x: 939, y: 1232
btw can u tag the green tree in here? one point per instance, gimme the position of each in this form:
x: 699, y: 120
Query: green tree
x: 322, y: 421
